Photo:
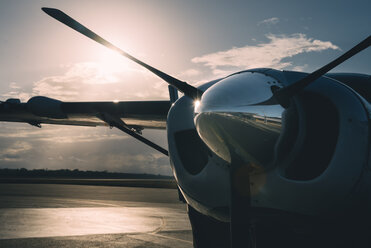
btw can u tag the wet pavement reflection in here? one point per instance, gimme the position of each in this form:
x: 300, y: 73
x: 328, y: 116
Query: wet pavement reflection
x: 104, y: 214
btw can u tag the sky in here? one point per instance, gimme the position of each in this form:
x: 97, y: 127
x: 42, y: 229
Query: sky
x: 193, y: 40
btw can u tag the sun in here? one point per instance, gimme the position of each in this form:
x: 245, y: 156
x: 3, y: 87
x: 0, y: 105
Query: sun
x: 111, y: 67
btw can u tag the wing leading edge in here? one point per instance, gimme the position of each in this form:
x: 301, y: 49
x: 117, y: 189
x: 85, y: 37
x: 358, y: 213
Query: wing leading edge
x: 130, y: 117
x: 42, y: 110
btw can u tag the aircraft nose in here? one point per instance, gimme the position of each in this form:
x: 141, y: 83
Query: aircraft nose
x: 238, y: 117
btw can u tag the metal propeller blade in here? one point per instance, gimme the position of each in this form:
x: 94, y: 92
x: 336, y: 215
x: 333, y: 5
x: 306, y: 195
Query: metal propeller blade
x: 240, y: 205
x: 283, y: 95
x: 187, y: 89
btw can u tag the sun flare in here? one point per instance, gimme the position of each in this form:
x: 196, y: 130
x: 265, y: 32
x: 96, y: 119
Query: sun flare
x: 197, y: 104
x: 111, y: 68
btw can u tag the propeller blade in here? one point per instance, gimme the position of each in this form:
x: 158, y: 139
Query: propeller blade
x: 283, y: 95
x: 187, y: 89
x: 240, y: 204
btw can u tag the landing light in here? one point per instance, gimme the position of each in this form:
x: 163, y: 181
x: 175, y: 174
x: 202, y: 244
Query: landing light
x: 115, y: 101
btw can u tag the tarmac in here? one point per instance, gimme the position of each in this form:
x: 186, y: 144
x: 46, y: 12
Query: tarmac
x: 54, y: 215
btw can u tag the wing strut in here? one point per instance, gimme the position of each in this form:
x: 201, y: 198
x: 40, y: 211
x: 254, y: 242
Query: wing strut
x: 118, y: 123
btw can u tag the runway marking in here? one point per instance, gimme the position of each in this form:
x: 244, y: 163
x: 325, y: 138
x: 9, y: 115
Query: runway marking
x: 163, y: 224
x: 169, y: 237
x: 95, y: 202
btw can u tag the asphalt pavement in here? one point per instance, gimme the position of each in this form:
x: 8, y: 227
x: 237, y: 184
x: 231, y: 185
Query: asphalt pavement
x: 54, y: 215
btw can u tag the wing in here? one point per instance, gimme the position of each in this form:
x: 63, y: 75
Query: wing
x: 130, y: 117
x: 39, y: 110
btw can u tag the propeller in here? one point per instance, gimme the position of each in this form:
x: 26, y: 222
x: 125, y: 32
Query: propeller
x: 283, y: 95
x: 182, y: 86
x: 240, y: 200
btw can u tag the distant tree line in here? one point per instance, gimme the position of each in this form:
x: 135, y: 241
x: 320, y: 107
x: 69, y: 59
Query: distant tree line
x: 66, y: 173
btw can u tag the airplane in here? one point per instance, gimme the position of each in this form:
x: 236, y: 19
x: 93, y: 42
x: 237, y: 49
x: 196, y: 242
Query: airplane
x: 261, y: 157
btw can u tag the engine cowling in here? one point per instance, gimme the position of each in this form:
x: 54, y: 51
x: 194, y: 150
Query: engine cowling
x: 304, y: 159
x: 307, y: 159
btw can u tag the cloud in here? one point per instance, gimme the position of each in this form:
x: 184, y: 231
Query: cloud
x: 189, y: 73
x: 19, y: 94
x: 14, y: 85
x: 14, y: 151
x: 93, y: 81
x: 299, y: 67
x: 85, y: 148
x: 272, y: 54
x: 16, y: 92
x: 59, y: 134
x: 82, y: 138
x: 270, y: 21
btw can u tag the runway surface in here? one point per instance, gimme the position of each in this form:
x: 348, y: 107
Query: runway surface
x: 50, y: 215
